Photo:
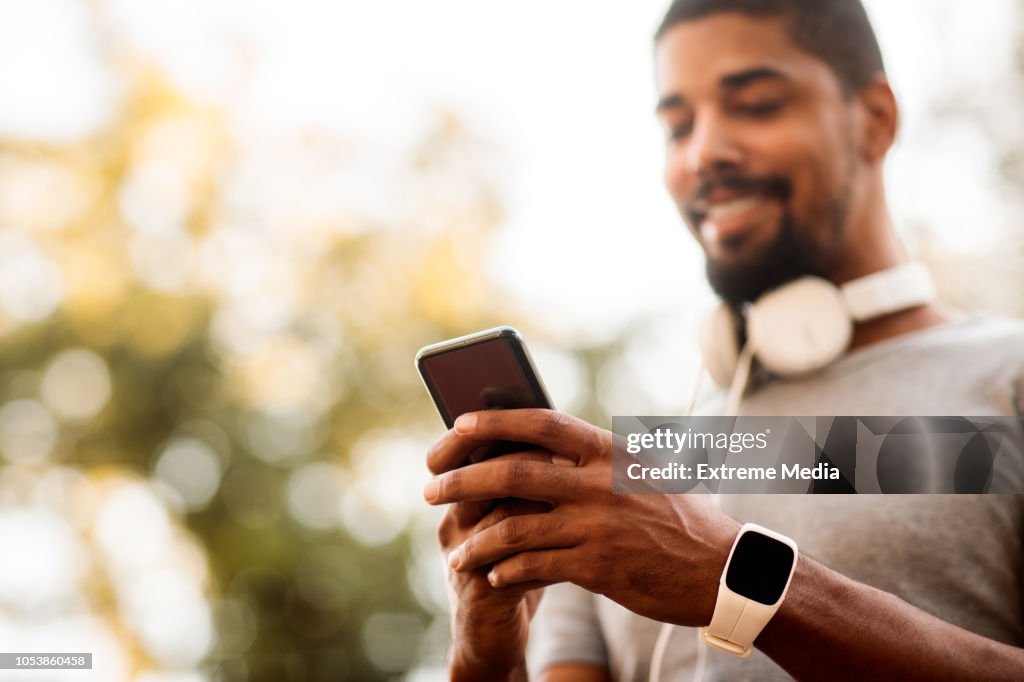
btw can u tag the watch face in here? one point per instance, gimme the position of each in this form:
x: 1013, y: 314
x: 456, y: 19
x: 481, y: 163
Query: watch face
x: 760, y: 568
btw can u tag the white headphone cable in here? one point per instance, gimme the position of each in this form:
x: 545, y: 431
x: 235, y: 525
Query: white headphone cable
x: 696, y: 390
x: 658, y: 656
x: 739, y: 380
x: 736, y: 390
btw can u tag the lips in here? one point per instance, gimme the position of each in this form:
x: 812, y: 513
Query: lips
x: 728, y: 220
x: 726, y: 208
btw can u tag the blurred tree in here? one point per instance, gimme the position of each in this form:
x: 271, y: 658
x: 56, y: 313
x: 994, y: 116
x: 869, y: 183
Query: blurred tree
x: 276, y: 340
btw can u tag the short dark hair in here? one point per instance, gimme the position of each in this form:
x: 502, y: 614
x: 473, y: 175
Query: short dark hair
x: 836, y: 31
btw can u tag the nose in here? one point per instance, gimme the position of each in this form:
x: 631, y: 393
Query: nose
x: 711, y: 147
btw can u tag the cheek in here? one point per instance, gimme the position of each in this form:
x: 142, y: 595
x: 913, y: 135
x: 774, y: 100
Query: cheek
x: 819, y: 185
x: 678, y: 181
x: 671, y: 174
x: 809, y: 158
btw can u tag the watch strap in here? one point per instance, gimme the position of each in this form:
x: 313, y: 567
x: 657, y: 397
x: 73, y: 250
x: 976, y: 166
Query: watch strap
x: 736, y: 623
x: 737, y: 620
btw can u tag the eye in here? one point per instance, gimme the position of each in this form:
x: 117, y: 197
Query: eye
x: 680, y: 132
x: 762, y: 108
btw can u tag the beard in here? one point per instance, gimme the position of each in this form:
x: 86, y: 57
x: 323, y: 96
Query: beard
x: 798, y: 249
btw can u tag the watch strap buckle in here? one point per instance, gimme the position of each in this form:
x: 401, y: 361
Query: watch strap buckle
x: 724, y: 644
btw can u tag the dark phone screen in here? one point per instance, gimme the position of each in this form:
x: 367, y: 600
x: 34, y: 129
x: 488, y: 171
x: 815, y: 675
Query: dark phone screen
x: 482, y: 376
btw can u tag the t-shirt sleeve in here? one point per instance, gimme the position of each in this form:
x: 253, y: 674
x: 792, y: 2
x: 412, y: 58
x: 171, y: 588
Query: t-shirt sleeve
x: 565, y: 629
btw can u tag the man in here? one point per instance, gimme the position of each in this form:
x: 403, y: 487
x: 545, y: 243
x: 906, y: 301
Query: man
x: 779, y: 118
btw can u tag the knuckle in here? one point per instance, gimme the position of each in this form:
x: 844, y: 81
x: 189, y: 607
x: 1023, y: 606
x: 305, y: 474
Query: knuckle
x: 601, y: 443
x: 469, y: 549
x: 549, y: 524
x: 554, y: 565
x: 510, y: 532
x: 529, y: 562
x: 446, y: 528
x: 516, y: 471
x: 450, y: 485
x: 500, y: 513
x: 552, y: 423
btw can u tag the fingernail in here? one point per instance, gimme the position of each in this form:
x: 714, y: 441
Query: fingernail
x: 492, y: 578
x: 563, y: 461
x: 455, y: 558
x: 465, y: 423
x: 431, y: 489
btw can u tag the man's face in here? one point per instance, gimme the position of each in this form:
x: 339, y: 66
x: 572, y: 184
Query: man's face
x: 760, y: 151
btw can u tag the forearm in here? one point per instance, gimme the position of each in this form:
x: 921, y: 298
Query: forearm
x: 831, y: 626
x: 460, y: 671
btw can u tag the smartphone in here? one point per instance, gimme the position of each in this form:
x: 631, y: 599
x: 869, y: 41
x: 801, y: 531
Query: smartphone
x: 488, y: 370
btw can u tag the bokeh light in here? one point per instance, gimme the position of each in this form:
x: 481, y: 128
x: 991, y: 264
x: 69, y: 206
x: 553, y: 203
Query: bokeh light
x: 28, y: 431
x: 76, y: 384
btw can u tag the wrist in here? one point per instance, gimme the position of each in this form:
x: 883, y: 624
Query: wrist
x: 460, y: 670
x: 721, y: 546
x: 488, y: 643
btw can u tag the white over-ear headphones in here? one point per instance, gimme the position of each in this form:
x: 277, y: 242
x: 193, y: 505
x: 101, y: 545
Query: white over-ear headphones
x: 806, y: 324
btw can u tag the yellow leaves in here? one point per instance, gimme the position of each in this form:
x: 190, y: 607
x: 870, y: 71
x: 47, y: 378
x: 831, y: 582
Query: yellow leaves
x: 155, y: 325
x: 450, y: 289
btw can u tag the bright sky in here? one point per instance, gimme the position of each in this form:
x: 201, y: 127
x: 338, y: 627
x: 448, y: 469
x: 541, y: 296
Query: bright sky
x: 563, y: 90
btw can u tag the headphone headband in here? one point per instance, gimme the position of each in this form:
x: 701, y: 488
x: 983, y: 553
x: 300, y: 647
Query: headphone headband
x: 888, y: 291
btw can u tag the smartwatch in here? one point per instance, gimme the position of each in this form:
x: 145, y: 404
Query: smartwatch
x: 752, y: 587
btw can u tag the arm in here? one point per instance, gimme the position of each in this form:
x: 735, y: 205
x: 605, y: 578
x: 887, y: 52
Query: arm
x: 661, y: 556
x: 834, y: 626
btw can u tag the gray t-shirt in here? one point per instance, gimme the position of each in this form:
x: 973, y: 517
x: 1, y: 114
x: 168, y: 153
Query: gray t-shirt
x: 958, y: 557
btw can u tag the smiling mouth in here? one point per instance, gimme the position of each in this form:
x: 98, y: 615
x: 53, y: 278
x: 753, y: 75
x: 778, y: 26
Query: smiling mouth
x: 728, y: 209
x: 725, y: 220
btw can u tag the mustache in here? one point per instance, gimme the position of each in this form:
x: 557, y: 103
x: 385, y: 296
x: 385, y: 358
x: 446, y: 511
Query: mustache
x: 775, y: 186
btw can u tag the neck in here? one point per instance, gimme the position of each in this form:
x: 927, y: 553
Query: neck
x: 872, y: 246
x: 902, y: 322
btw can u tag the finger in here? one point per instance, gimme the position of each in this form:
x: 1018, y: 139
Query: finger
x: 467, y: 515
x: 559, y: 432
x: 523, y: 587
x: 453, y: 450
x: 546, y: 565
x: 510, y: 507
x: 471, y: 514
x: 450, y: 451
x: 529, y: 480
x: 513, y: 535
x: 478, y: 515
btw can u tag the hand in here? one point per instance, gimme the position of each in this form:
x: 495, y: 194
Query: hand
x: 489, y: 625
x: 660, y: 556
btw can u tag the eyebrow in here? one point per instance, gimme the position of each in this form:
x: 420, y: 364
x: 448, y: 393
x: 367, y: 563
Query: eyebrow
x: 737, y: 80
x: 732, y: 81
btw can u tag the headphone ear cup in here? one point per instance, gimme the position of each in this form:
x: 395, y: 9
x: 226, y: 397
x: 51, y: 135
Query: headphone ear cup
x: 719, y: 345
x: 800, y: 327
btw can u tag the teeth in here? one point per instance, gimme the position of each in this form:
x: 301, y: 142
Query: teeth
x: 708, y: 231
x: 728, y: 209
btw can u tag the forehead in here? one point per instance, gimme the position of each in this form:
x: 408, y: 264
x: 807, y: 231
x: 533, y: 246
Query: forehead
x: 696, y: 54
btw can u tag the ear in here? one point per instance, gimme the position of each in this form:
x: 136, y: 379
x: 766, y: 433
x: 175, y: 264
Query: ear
x: 879, y: 118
